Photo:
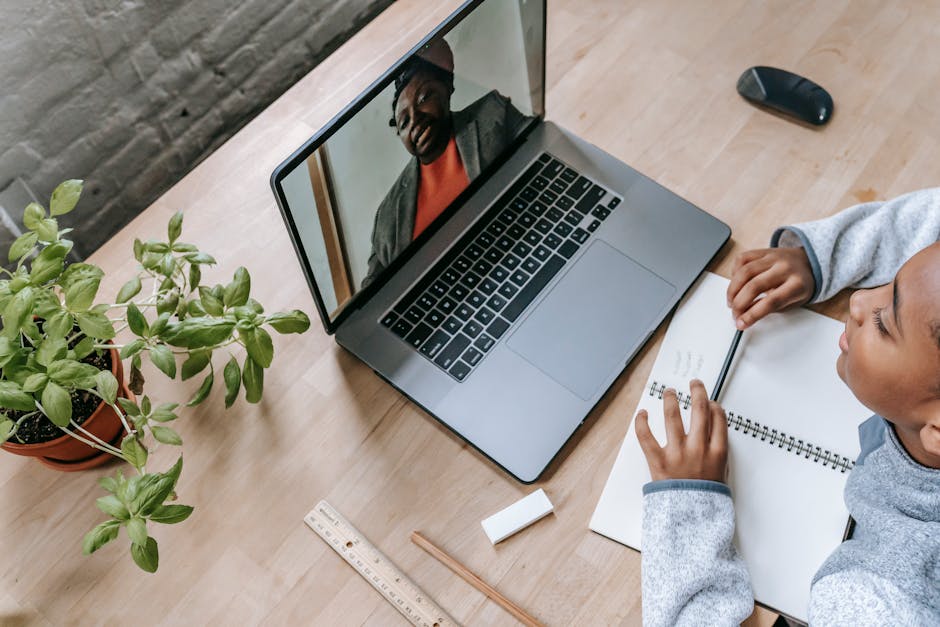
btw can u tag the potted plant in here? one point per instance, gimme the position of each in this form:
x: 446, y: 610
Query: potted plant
x: 63, y: 397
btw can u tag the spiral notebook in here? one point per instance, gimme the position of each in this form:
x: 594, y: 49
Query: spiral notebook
x: 793, y: 438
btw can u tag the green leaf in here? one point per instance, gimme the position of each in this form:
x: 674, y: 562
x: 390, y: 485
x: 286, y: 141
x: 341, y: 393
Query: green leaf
x: 35, y: 382
x: 196, y: 363
x: 100, y: 535
x: 253, y: 380
x: 175, y: 227
x: 65, y: 197
x: 236, y: 292
x: 200, y: 258
x: 84, y: 348
x: 166, y: 435
x: 174, y: 472
x: 80, y: 295
x: 145, y: 405
x: 95, y: 325
x: 57, y: 404
x: 59, y: 324
x: 13, y: 397
x: 164, y: 413
x: 108, y: 483
x: 167, y: 265
x: 136, y: 382
x: 137, y: 322
x: 210, y: 303
x: 129, y: 406
x: 159, y: 324
x: 33, y: 216
x: 48, y: 230
x: 72, y: 373
x: 168, y: 302
x: 195, y: 276
x: 132, y: 348
x: 198, y: 332
x: 107, y: 385
x: 162, y: 358
x: 52, y: 349
x: 147, y: 556
x: 138, y: 249
x: 154, y: 490
x: 6, y: 427
x: 22, y: 245
x: 171, y: 514
x: 259, y: 345
x: 134, y: 452
x: 112, y: 506
x: 294, y: 321
x: 18, y: 311
x: 49, y: 263
x: 129, y: 290
x: 233, y: 378
x: 203, y: 390
x: 137, y: 530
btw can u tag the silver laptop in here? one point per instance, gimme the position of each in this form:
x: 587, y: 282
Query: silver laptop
x: 495, y: 268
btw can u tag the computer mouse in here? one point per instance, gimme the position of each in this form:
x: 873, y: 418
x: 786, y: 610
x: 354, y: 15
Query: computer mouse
x: 786, y: 92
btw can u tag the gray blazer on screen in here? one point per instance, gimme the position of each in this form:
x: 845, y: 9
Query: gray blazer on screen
x: 482, y: 131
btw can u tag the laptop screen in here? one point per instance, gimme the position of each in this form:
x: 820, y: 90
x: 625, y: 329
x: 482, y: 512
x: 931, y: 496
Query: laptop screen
x: 361, y: 192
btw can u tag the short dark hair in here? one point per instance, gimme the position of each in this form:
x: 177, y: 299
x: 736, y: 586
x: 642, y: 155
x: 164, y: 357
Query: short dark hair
x: 412, y: 67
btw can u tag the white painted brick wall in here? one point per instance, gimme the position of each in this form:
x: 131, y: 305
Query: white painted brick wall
x: 132, y: 94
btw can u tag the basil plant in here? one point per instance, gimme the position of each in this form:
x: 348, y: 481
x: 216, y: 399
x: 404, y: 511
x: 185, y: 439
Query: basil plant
x: 52, y: 324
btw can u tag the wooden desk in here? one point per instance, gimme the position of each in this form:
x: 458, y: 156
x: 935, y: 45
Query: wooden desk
x: 652, y: 83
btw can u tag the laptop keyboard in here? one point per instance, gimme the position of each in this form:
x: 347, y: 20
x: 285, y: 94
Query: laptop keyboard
x: 459, y: 309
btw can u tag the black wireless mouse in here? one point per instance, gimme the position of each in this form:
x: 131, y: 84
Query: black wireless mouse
x: 786, y: 92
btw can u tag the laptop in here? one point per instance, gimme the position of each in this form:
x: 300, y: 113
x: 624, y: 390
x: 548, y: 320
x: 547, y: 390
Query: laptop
x: 492, y: 266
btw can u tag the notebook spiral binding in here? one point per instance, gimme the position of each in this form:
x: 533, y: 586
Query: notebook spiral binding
x: 773, y: 437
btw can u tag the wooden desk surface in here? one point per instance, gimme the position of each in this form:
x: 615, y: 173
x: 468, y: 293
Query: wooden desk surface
x: 652, y: 83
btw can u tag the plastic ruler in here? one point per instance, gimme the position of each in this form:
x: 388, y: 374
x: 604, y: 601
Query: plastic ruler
x: 376, y: 568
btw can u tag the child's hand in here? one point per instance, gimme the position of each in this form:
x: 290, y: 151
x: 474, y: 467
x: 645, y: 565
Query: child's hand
x: 700, y: 454
x: 783, y: 275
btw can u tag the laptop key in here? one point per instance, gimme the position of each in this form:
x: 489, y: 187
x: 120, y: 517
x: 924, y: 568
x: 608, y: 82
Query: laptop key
x: 485, y: 316
x: 401, y: 328
x: 539, y: 280
x: 504, y: 243
x: 613, y: 203
x: 474, y: 252
x: 521, y: 249
x: 529, y: 194
x: 460, y: 370
x: 530, y: 265
x: 470, y: 280
x: 510, y: 262
x: 544, y: 158
x: 496, y: 302
x: 427, y: 302
x: 540, y: 182
x: 462, y: 264
x: 484, y: 343
x: 562, y: 229
x: 569, y: 175
x: 580, y: 235
x: 532, y: 238
x: 459, y: 292
x: 419, y: 335
x: 496, y: 228
x: 519, y: 278
x: 414, y: 315
x: 497, y: 328
x: 488, y: 286
x: 541, y: 253
x: 593, y: 226
x: 452, y: 325
x: 449, y: 355
x: 482, y: 267
x: 558, y: 186
x: 519, y: 205
x: 564, y: 203
x: 579, y: 188
x: 538, y: 208
x: 568, y: 249
x: 508, y: 290
x: 472, y: 356
x: 552, y: 241
x: 573, y: 218
x: 527, y: 219
x: 600, y: 212
x: 543, y: 226
x: 591, y: 198
x: 553, y: 169
x: 438, y: 289
x: 484, y: 240
x: 450, y: 276
x: 554, y: 214
x: 548, y: 197
x: 473, y: 328
x: 434, y: 318
x: 476, y: 299
x: 463, y: 312
x: 508, y: 216
x: 493, y: 255
x: 516, y: 231
x: 500, y: 274
x: 389, y: 320
x: 434, y: 344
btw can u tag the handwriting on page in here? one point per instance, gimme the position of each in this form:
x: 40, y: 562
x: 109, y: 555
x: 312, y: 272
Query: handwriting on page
x: 687, y: 364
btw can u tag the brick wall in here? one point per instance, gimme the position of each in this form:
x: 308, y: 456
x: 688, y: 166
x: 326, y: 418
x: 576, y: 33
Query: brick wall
x: 132, y: 94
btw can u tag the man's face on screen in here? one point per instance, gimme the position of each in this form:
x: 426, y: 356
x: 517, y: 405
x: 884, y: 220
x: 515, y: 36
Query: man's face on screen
x: 422, y: 116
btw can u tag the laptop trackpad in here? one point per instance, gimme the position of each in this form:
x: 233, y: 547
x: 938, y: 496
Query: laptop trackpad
x: 592, y: 319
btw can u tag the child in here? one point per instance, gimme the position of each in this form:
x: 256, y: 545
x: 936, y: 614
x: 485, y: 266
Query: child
x: 889, y: 572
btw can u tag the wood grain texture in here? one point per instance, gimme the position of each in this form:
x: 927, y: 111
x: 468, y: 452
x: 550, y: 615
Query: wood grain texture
x: 650, y: 82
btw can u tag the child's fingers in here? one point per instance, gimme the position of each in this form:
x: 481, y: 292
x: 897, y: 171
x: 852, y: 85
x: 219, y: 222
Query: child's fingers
x: 675, y: 431
x: 757, y: 261
x: 647, y: 440
x: 718, y: 440
x: 760, y: 284
x: 698, y: 428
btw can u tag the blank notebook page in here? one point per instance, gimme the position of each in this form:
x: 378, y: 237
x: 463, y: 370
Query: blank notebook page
x: 789, y: 508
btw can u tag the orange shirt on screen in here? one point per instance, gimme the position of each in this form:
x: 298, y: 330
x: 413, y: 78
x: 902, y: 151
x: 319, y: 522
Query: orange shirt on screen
x: 441, y: 182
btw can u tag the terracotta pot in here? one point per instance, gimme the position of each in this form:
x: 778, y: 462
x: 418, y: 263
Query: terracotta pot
x: 68, y: 454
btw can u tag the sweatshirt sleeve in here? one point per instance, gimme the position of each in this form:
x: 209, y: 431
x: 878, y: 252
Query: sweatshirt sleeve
x: 691, y: 572
x: 865, y: 245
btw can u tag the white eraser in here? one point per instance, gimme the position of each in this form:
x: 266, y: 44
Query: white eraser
x: 517, y: 516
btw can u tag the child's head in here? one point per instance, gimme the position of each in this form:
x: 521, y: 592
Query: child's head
x: 891, y: 352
